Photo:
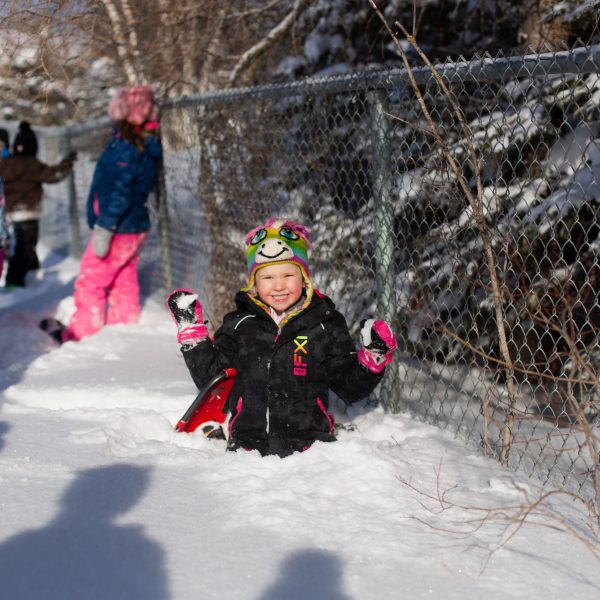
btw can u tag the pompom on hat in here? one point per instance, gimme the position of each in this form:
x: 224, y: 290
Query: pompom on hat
x: 278, y: 241
x: 134, y: 104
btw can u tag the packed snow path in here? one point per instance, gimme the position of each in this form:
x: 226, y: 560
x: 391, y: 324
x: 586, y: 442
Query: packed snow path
x: 100, y: 498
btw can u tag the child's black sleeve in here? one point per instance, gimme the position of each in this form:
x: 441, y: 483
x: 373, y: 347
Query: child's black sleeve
x: 346, y: 376
x: 208, y: 357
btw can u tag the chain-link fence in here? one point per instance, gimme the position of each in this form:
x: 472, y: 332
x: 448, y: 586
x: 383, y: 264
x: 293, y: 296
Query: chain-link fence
x: 354, y: 158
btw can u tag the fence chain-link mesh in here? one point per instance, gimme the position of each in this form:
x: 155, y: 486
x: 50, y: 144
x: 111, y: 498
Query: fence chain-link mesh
x: 356, y: 160
x: 411, y: 217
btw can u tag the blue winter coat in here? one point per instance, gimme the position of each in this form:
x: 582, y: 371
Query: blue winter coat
x: 122, y: 181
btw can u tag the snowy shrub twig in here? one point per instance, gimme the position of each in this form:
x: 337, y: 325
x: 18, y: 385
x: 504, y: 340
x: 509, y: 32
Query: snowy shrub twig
x: 535, y: 509
x: 476, y: 203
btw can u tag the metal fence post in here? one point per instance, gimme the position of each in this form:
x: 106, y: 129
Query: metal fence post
x: 75, y: 248
x: 385, y: 276
x: 164, y: 231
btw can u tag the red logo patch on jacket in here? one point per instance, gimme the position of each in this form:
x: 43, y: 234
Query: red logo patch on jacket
x: 300, y: 352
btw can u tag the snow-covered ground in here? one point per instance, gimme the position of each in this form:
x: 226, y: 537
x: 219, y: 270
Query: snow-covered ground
x: 101, y: 499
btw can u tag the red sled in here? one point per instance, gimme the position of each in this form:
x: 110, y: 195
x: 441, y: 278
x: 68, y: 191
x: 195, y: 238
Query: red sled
x: 206, y: 411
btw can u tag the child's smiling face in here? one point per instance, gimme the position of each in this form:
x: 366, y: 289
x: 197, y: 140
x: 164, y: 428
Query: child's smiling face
x: 279, y: 286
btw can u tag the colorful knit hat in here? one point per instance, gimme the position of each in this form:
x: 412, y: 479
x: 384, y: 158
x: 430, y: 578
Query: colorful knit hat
x: 276, y: 242
x: 133, y: 104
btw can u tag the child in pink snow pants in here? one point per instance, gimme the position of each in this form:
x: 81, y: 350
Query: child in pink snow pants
x: 106, y: 289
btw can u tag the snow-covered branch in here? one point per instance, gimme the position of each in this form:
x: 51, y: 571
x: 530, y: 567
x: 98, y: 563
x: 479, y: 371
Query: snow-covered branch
x: 259, y: 48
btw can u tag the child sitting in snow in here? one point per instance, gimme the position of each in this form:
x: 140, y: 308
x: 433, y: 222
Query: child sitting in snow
x: 288, y: 345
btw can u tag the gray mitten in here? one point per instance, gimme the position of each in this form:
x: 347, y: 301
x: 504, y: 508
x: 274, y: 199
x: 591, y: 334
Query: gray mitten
x: 101, y: 241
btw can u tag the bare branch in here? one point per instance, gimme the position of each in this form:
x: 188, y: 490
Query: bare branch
x: 533, y: 510
x: 122, y: 46
x: 475, y: 201
x: 257, y: 50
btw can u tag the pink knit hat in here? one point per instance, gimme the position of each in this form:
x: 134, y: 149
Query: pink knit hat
x: 133, y: 104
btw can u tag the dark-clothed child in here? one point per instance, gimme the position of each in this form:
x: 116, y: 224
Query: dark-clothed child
x: 3, y: 228
x: 23, y: 176
x: 288, y: 344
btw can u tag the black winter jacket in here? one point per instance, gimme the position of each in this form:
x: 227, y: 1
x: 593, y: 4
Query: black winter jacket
x: 279, y: 401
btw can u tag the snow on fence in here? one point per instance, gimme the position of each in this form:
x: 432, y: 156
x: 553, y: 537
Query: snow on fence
x: 353, y: 157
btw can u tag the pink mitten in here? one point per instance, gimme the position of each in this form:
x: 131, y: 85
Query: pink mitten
x: 378, y: 343
x: 186, y: 311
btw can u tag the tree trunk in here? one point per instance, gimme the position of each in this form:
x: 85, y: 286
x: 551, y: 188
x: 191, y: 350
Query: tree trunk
x: 540, y: 32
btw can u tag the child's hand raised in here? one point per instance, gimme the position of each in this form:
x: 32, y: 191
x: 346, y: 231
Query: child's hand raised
x: 186, y: 311
x: 378, y: 343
